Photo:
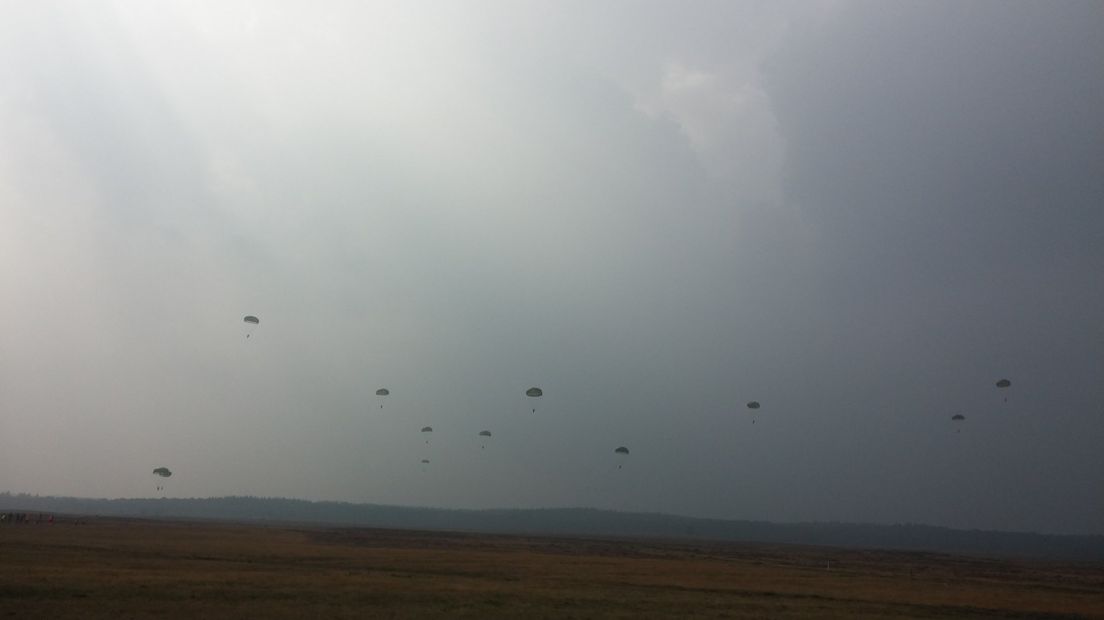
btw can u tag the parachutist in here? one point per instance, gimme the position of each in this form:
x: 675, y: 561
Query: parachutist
x: 623, y: 452
x: 534, y: 392
x: 251, y: 320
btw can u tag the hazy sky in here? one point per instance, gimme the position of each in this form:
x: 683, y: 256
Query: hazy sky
x: 860, y: 214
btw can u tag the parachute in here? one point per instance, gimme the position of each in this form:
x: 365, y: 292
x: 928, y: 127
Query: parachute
x: 381, y: 393
x: 427, y: 429
x: 958, y: 417
x: 534, y: 392
x: 164, y: 473
x: 250, y: 320
x: 425, y: 461
x: 623, y: 451
x: 1004, y: 383
x: 484, y: 441
x: 753, y: 405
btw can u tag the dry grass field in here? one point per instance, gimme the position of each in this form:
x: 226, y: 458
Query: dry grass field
x: 115, y: 568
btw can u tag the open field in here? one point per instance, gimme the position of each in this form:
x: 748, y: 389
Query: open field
x: 117, y: 568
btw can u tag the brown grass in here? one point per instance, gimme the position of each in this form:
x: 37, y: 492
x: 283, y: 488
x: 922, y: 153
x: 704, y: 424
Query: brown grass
x: 113, y: 568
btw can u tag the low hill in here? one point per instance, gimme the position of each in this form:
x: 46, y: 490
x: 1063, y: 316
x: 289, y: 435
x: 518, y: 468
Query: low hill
x: 576, y: 522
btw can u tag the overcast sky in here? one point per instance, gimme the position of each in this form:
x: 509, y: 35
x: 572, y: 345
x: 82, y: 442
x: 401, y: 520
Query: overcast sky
x: 861, y: 215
